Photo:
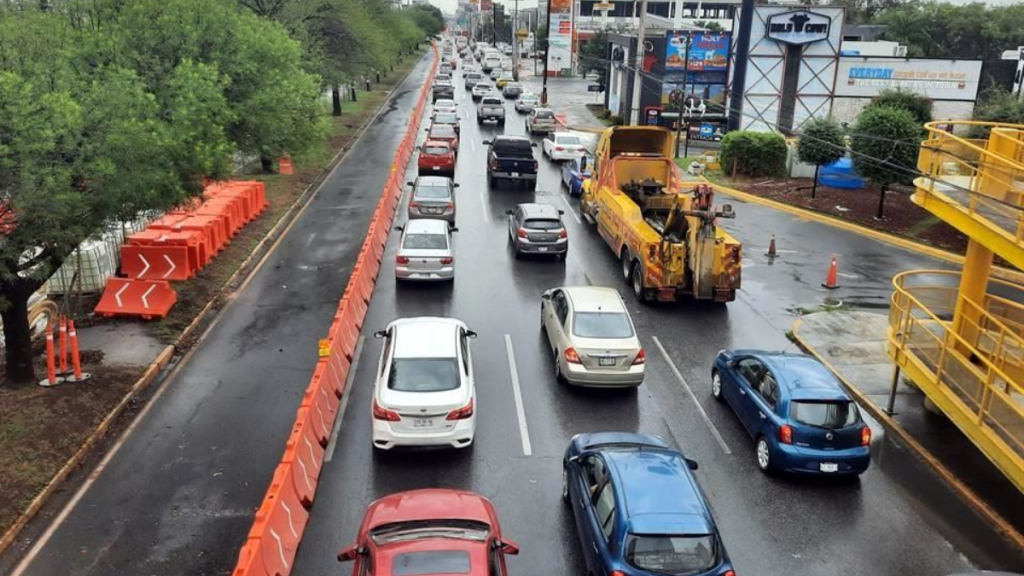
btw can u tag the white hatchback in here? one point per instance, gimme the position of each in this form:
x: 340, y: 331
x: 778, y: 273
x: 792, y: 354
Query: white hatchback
x: 562, y: 146
x: 442, y: 105
x: 425, y: 393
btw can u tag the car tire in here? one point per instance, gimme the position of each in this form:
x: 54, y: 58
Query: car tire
x: 531, y: 185
x: 559, y: 378
x: 716, y: 385
x: 763, y: 455
x: 638, y: 283
x: 627, y: 269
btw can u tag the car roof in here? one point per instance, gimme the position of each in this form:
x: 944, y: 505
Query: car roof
x: 803, y: 377
x: 537, y: 210
x: 425, y: 337
x: 594, y: 299
x: 426, y: 226
x: 428, y: 504
x: 660, y: 494
x: 433, y: 180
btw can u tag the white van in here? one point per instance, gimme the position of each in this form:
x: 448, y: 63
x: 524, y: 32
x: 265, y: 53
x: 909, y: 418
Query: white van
x: 491, y: 61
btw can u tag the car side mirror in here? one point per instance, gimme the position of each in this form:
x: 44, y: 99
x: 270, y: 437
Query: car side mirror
x: 456, y: 185
x: 470, y: 334
x: 561, y: 212
x: 380, y: 334
x: 533, y: 144
x: 574, y: 459
x: 349, y: 554
x: 487, y: 142
x: 453, y: 229
x: 509, y: 212
x: 410, y: 183
x: 509, y: 547
x: 400, y: 228
x: 691, y: 464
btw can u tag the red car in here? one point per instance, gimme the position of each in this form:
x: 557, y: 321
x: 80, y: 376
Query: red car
x: 446, y: 133
x: 426, y: 532
x: 436, y: 157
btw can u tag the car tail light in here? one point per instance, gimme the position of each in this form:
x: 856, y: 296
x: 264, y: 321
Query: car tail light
x: 447, y: 260
x: 384, y: 414
x: 786, y: 434
x: 559, y: 149
x: 571, y: 356
x: 462, y: 413
x: 401, y: 260
x: 564, y: 233
x: 617, y: 573
x: 414, y: 204
x: 641, y: 356
x: 449, y: 206
x: 522, y: 233
x: 730, y: 573
x: 865, y: 436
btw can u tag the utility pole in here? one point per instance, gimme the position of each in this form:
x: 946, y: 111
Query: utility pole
x: 739, y: 72
x: 679, y: 120
x: 634, y: 115
x: 515, y: 41
x: 494, y: 23
x: 547, y: 51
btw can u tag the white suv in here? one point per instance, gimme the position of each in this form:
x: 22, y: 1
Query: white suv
x: 425, y: 393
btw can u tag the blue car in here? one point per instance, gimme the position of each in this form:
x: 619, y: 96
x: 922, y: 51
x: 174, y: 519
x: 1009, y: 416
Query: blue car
x: 575, y: 171
x: 638, y: 509
x: 801, y: 418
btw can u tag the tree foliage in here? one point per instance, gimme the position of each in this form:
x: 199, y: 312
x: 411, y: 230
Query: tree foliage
x: 945, y: 30
x: 593, y: 54
x: 822, y: 142
x: 885, y: 143
x: 753, y: 153
x: 1000, y: 106
x: 919, y: 106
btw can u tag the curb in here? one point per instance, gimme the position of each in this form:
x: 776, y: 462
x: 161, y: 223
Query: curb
x: 180, y: 343
x: 848, y: 226
x: 945, y: 474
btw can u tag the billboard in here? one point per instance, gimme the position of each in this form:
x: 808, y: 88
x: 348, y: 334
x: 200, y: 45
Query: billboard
x: 697, y: 100
x: 559, y: 36
x: 798, y: 27
x: 709, y: 52
x: 866, y: 77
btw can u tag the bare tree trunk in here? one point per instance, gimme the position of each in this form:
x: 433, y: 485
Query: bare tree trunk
x: 17, y: 334
x: 881, y: 202
x: 814, y: 187
x: 336, y: 99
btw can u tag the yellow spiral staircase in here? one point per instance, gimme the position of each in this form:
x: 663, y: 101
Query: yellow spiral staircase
x: 959, y: 336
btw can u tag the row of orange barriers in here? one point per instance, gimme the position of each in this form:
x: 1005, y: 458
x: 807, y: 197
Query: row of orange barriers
x: 281, y: 520
x: 177, y: 246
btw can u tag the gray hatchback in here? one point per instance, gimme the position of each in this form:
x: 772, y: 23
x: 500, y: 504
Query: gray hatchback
x: 538, y: 229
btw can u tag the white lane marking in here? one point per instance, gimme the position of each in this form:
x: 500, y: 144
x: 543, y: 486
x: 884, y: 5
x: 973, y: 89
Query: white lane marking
x: 524, y: 432
x: 472, y: 144
x: 689, y: 391
x: 570, y: 210
x: 344, y: 399
x: 483, y: 205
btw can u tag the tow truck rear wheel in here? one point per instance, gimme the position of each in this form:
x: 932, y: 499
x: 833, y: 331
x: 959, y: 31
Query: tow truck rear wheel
x: 638, y: 283
x: 627, y: 270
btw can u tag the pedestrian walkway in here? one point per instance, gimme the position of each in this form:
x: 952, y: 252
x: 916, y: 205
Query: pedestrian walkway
x: 853, y: 344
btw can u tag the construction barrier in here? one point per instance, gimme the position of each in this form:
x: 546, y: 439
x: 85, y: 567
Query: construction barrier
x: 147, y: 299
x: 280, y: 521
x: 156, y: 262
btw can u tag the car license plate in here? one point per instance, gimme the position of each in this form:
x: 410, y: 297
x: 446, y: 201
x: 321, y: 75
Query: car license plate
x: 437, y: 167
x: 515, y: 174
x: 606, y: 361
x: 542, y: 249
x: 829, y: 467
x: 433, y: 210
x: 422, y: 422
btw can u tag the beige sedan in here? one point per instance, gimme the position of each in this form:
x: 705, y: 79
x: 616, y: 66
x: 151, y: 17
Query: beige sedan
x: 592, y: 337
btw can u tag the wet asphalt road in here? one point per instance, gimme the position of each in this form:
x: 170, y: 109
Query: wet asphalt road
x: 895, y: 519
x: 179, y: 497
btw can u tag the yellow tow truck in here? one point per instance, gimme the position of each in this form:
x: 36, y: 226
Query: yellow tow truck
x: 666, y: 237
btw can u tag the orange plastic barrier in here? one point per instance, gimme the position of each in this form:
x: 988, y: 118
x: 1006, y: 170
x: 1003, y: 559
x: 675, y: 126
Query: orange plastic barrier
x: 145, y: 298
x: 198, y: 248
x: 322, y: 403
x: 306, y: 455
x: 155, y: 262
x: 279, y: 525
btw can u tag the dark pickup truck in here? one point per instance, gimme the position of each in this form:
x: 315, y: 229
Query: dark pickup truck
x: 511, y: 158
x: 443, y: 90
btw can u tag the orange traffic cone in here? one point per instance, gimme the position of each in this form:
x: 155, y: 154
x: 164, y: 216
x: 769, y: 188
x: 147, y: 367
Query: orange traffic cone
x: 832, y: 280
x: 771, y: 248
x: 284, y: 165
x: 51, y: 360
x: 76, y: 357
x: 62, y: 365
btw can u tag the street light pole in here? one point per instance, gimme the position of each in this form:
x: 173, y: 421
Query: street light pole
x: 547, y: 52
x: 679, y: 119
x: 515, y: 41
x: 641, y: 50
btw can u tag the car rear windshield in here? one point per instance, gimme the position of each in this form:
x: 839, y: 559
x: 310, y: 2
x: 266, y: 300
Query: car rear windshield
x: 431, y: 562
x: 542, y: 224
x: 436, y: 150
x: 676, y: 555
x: 513, y: 148
x: 423, y: 374
x: 824, y: 414
x: 602, y: 325
x: 545, y: 114
x: 425, y: 242
x: 492, y: 102
x: 474, y: 76
x: 442, y: 130
x: 446, y: 118
x: 570, y: 140
x: 435, y: 192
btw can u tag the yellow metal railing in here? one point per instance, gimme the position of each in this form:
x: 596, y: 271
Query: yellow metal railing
x: 982, y: 177
x: 970, y: 353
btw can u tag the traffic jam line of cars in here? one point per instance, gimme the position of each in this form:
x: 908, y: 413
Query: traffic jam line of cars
x: 638, y: 508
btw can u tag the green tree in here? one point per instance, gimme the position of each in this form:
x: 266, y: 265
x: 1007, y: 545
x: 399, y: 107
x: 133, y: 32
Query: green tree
x: 541, y: 37
x: 885, y: 145
x: 919, y: 106
x: 821, y: 143
x: 945, y: 30
x: 753, y: 153
x: 997, y: 105
x: 593, y: 54
x: 709, y: 25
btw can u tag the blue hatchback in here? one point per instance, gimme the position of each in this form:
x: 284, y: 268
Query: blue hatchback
x: 638, y: 509
x: 575, y: 171
x: 801, y: 418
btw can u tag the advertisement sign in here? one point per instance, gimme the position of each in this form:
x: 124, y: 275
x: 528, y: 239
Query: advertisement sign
x: 604, y: 6
x: 706, y: 132
x: 698, y: 100
x: 709, y: 52
x: 798, y: 27
x: 938, y: 79
x: 560, y: 36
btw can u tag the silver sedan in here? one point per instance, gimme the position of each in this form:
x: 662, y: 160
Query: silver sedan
x: 592, y: 337
x: 425, y: 251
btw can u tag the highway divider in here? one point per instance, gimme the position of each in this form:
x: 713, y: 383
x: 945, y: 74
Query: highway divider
x: 281, y: 519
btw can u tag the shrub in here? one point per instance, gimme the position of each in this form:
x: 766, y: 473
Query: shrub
x: 753, y: 153
x: 920, y: 107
